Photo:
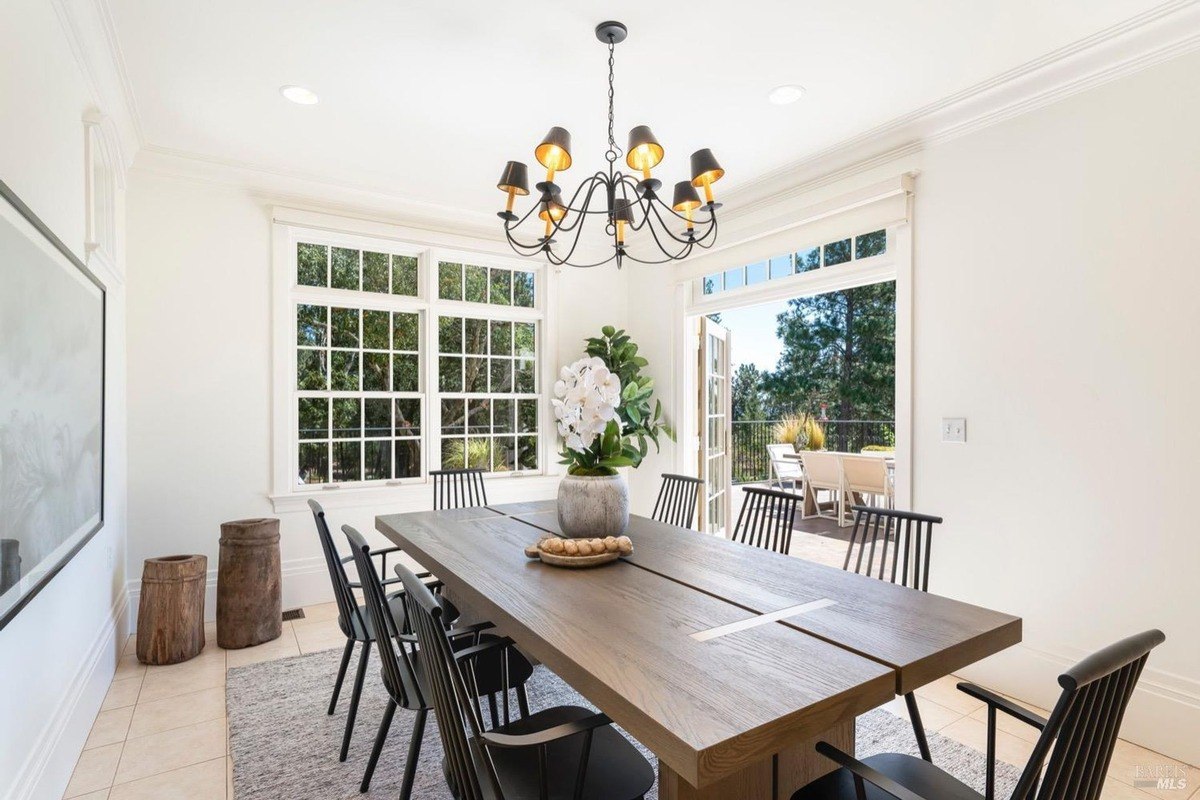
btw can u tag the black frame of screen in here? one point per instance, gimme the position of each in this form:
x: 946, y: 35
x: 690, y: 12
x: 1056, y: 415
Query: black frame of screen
x: 45, y: 231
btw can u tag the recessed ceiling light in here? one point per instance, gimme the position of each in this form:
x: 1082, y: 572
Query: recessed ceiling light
x: 788, y: 93
x: 298, y: 94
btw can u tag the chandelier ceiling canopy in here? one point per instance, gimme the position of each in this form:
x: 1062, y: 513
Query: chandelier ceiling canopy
x: 623, y: 201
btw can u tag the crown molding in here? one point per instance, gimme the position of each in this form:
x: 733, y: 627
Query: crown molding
x: 298, y: 188
x: 92, y: 37
x: 1162, y: 33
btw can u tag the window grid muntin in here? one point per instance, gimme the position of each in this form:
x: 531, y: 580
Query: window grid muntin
x: 458, y: 273
x: 427, y: 305
x: 827, y: 255
x: 455, y: 348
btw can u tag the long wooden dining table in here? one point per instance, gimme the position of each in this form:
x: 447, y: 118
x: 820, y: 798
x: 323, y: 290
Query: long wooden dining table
x: 728, y: 662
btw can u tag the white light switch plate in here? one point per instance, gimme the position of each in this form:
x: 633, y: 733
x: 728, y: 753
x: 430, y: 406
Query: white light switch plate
x: 954, y: 429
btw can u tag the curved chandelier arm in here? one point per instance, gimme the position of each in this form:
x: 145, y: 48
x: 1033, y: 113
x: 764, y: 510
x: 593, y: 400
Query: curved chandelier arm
x: 709, y: 232
x: 591, y: 184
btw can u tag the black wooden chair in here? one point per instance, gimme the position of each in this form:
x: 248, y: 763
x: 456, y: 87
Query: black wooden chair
x: 676, y: 504
x: 1079, y: 738
x: 895, y: 546
x: 404, y: 672
x: 353, y: 618
x: 555, y: 754
x: 766, y: 519
x: 458, y: 488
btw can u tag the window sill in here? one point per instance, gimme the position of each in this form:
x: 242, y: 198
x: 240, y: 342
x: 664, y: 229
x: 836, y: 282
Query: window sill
x: 415, y: 496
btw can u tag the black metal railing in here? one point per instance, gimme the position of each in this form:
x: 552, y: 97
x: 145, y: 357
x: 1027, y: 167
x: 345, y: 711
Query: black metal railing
x: 748, y: 448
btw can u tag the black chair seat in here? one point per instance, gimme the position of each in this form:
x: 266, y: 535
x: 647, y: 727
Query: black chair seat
x: 912, y: 773
x: 487, y: 673
x: 356, y: 631
x: 617, y: 771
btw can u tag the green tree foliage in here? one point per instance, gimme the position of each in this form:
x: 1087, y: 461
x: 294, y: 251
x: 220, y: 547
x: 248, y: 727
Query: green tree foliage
x: 747, y: 394
x: 839, y: 348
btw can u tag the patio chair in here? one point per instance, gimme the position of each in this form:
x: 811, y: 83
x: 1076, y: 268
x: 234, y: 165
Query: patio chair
x: 785, y: 469
x: 823, y: 472
x: 868, y: 475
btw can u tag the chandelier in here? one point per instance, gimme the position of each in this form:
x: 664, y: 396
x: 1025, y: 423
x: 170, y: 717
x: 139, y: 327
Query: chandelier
x: 625, y: 202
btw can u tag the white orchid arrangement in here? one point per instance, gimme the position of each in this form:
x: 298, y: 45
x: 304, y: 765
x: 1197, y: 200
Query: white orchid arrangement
x: 586, y: 397
x: 603, y: 406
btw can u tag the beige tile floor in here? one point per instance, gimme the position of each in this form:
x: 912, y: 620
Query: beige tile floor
x: 161, y: 732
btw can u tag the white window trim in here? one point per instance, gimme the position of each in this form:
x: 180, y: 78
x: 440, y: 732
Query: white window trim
x: 430, y: 247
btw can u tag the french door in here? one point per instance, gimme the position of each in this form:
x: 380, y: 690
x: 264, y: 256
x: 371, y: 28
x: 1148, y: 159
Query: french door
x: 714, y: 407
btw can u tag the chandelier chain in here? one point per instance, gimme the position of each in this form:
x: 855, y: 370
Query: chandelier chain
x: 614, y: 152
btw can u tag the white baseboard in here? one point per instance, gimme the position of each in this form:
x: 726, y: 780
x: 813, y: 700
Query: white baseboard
x: 305, y: 583
x: 47, y: 770
x: 1163, y: 716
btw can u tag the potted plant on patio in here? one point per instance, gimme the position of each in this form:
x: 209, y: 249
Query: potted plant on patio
x: 602, y: 405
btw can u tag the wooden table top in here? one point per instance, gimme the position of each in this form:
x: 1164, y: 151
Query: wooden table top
x: 622, y: 637
x: 684, y: 643
x: 919, y: 635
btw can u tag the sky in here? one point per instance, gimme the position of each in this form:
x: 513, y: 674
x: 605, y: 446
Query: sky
x: 753, y: 334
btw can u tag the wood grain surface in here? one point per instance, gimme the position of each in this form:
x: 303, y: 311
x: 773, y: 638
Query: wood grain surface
x: 920, y: 635
x: 621, y: 635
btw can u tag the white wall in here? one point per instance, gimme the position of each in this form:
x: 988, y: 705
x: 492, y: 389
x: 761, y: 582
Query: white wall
x: 200, y: 378
x: 1057, y: 307
x: 58, y: 655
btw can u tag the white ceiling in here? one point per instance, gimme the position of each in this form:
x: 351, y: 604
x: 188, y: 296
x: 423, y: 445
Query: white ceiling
x: 427, y: 101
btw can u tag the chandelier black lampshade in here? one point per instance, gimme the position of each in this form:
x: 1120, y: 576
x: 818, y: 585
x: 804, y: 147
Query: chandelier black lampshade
x: 614, y: 201
x: 552, y: 210
x: 554, y: 153
x: 705, y: 169
x: 515, y: 178
x: 622, y: 210
x: 644, y: 151
x: 686, y: 197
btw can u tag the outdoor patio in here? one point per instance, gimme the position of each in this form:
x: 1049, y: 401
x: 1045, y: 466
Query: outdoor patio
x: 817, y: 539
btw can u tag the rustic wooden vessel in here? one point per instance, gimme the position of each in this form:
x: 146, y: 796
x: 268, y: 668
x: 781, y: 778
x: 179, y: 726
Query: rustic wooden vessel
x: 170, y: 626
x: 249, y: 584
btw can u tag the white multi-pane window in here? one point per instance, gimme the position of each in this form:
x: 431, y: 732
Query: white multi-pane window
x: 396, y: 373
x: 832, y: 254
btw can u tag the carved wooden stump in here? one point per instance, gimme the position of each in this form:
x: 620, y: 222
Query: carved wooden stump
x: 170, y: 624
x: 249, y: 586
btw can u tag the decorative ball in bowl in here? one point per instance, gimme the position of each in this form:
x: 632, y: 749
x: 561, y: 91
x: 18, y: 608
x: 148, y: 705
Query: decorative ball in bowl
x: 580, y: 553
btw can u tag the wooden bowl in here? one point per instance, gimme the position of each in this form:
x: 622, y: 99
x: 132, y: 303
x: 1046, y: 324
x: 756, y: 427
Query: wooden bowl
x: 577, y: 562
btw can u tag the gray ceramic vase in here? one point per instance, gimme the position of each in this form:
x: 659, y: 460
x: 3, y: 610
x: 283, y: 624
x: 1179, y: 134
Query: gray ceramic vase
x: 593, y: 506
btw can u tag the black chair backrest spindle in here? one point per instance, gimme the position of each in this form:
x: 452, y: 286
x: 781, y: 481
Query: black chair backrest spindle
x: 458, y: 488
x: 892, y: 545
x: 342, y: 593
x: 766, y: 519
x: 457, y: 711
x: 676, y: 504
x: 398, y: 667
x: 1081, y: 732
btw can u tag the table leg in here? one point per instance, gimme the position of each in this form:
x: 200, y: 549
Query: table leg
x: 774, y: 778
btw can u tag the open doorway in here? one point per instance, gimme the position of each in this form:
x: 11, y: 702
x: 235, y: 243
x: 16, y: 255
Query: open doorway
x: 787, y: 378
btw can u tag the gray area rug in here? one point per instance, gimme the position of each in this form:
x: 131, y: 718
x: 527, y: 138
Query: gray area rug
x: 285, y: 747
